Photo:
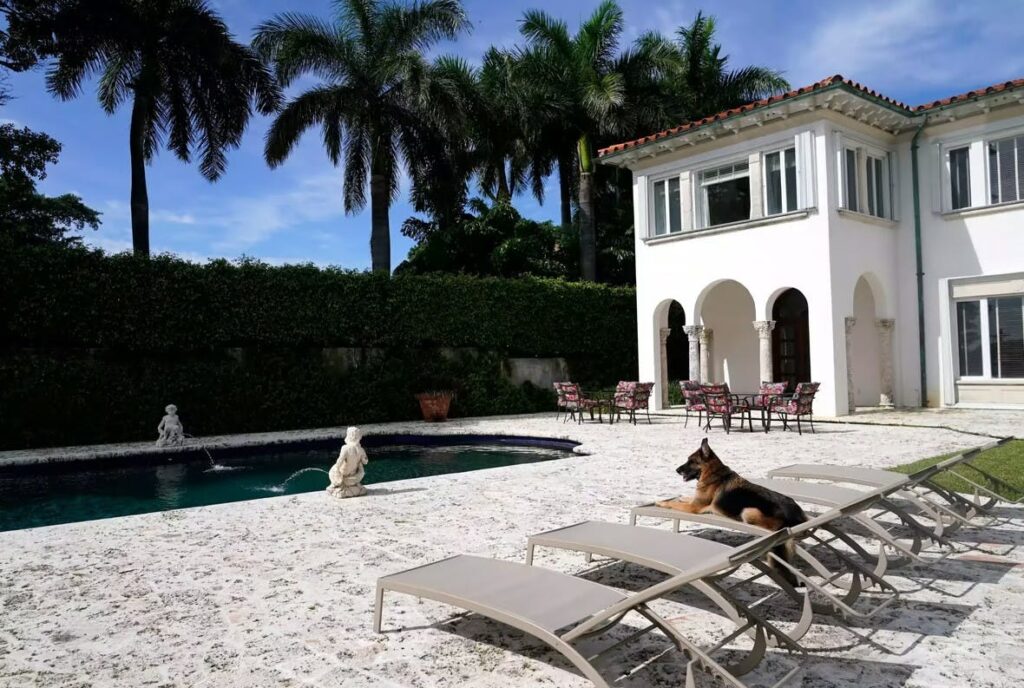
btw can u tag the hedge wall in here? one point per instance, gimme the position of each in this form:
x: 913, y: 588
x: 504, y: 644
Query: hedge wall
x: 92, y: 346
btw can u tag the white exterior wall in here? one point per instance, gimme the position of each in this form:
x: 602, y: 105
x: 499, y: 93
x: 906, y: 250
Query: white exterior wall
x: 824, y: 252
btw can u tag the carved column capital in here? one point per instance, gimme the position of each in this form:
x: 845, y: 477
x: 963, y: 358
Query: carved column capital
x: 850, y: 322
x: 706, y: 334
x: 693, y: 331
x: 764, y: 328
x: 885, y: 324
x: 665, y: 332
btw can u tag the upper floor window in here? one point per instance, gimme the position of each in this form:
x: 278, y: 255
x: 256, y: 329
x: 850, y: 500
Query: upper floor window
x: 780, y: 181
x: 866, y: 175
x: 667, y: 209
x: 1006, y: 170
x: 960, y: 178
x: 725, y: 194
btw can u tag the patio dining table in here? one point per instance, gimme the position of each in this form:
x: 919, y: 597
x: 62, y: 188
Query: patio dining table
x: 753, y: 401
x: 603, y: 399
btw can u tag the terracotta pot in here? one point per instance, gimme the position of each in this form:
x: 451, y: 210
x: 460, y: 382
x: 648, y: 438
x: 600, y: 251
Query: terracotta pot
x: 435, y: 405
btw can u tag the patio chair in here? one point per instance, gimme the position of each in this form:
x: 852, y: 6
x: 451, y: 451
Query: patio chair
x: 561, y: 609
x: 920, y: 484
x: 693, y: 400
x: 575, y: 401
x: 720, y: 403
x: 632, y: 397
x: 561, y: 403
x: 800, y: 404
x: 766, y: 395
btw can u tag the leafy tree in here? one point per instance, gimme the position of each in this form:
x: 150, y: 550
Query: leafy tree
x: 25, y: 214
x: 593, y: 88
x: 496, y: 241
x: 189, y: 83
x: 696, y: 80
x: 380, y: 103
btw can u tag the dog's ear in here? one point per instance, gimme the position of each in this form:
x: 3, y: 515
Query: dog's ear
x: 705, y: 448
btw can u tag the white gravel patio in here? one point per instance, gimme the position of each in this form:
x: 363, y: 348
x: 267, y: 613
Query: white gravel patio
x: 279, y: 591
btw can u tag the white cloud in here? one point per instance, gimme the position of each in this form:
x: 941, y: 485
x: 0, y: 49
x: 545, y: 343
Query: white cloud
x: 889, y: 44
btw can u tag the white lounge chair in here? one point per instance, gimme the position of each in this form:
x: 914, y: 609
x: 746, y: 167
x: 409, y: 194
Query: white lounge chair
x: 560, y: 609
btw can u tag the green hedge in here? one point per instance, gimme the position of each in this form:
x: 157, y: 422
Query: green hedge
x: 92, y: 347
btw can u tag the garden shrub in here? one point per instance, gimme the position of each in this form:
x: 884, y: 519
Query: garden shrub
x: 93, y: 346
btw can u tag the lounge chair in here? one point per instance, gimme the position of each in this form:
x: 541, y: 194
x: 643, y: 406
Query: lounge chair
x: 560, y: 609
x: 955, y: 506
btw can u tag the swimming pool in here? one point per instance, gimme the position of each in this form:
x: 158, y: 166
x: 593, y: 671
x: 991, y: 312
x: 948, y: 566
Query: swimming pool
x: 42, y: 496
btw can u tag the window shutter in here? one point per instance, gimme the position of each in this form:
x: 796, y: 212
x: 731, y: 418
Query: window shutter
x: 894, y: 190
x: 805, y: 171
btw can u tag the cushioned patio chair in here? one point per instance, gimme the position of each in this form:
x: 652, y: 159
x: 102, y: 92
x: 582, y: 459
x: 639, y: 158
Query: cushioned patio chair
x: 798, y: 405
x: 720, y: 403
x: 575, y: 402
x: 561, y: 609
x: 693, y: 400
x: 632, y: 397
x: 767, y: 394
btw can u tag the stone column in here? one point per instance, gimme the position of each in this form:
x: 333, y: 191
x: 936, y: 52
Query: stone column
x: 693, y: 334
x: 850, y: 322
x: 663, y: 382
x: 705, y: 354
x: 764, y: 336
x: 885, y: 327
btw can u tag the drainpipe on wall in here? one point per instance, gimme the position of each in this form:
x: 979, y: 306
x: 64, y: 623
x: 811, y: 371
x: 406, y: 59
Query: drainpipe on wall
x: 922, y: 353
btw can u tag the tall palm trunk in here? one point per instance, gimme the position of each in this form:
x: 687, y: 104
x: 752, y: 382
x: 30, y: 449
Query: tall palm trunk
x: 504, y: 191
x: 139, y: 195
x: 380, y: 231
x: 588, y: 224
x: 565, y: 187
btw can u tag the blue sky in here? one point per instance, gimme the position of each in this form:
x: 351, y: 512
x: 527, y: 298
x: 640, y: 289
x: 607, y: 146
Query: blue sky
x: 912, y: 50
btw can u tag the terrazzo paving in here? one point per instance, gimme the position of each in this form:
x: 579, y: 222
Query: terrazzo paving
x: 279, y: 591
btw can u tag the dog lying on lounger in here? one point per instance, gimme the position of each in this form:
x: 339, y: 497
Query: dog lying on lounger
x: 722, y: 491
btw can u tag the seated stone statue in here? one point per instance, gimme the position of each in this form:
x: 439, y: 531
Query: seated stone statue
x: 170, y: 431
x: 347, y: 473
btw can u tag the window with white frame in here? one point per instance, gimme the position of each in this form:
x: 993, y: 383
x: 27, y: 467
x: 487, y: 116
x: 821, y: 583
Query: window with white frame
x: 780, y: 194
x: 667, y: 207
x: 725, y: 194
x: 1006, y: 170
x: 959, y: 178
x: 866, y: 174
x: 990, y: 337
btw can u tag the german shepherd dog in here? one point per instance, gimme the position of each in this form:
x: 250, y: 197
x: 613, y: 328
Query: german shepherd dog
x: 720, y: 490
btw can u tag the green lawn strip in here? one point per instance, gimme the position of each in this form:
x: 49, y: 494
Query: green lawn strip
x: 1005, y: 462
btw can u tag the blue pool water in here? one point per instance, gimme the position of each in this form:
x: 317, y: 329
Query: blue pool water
x: 32, y: 497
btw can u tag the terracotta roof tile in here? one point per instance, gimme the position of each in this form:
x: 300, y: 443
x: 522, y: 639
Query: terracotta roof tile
x: 823, y: 84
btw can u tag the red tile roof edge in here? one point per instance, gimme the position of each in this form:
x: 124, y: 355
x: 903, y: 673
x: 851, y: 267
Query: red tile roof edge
x: 831, y: 81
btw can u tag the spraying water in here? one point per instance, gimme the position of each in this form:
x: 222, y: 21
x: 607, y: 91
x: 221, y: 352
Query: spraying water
x: 280, y: 487
x: 214, y: 466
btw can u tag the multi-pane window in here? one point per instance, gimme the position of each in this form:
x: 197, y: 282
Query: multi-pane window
x: 780, y: 181
x: 850, y: 163
x: 725, y: 194
x: 1006, y: 170
x: 959, y: 178
x: 999, y: 322
x: 968, y: 317
x: 875, y: 190
x: 667, y: 209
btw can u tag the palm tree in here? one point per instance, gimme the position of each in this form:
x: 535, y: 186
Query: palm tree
x: 378, y: 101
x: 696, y: 78
x: 590, y: 84
x: 190, y: 84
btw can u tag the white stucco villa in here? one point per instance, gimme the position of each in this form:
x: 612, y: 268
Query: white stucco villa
x: 836, y: 235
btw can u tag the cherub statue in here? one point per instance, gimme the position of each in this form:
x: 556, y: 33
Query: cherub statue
x: 347, y: 474
x: 171, y: 432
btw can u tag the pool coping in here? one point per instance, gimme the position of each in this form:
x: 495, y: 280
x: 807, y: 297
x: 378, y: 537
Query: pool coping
x: 196, y: 448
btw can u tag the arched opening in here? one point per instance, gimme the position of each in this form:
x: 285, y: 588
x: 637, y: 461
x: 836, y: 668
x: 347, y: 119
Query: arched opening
x: 865, y: 351
x: 677, y: 346
x: 791, y: 339
x: 728, y: 311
